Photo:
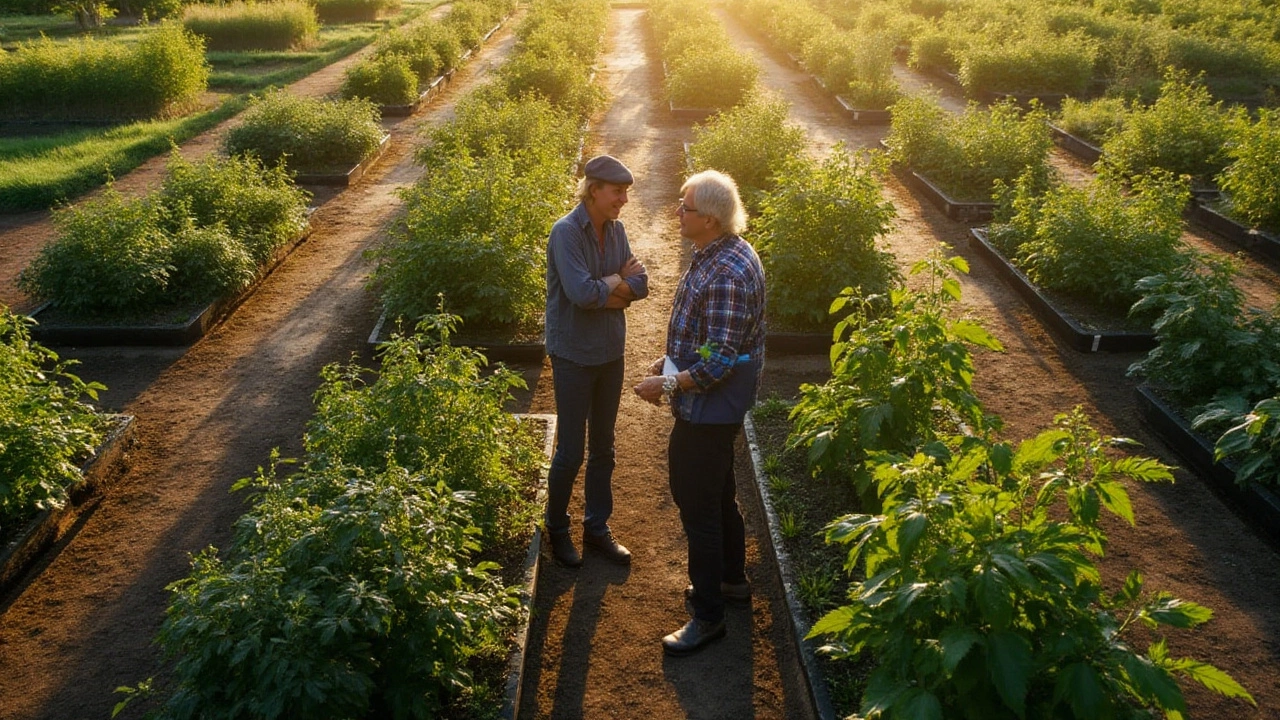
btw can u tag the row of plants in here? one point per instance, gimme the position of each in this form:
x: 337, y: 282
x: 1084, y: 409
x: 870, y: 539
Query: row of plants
x: 47, y: 430
x: 1064, y: 47
x: 973, y: 588
x: 966, y: 154
x: 58, y: 163
x: 204, y: 234
x: 307, y: 135
x: 381, y: 577
x: 163, y: 73
x: 819, y: 222
x: 856, y: 63
x: 703, y: 68
x: 405, y: 60
x: 1186, y: 132
x: 278, y: 25
x: 498, y: 175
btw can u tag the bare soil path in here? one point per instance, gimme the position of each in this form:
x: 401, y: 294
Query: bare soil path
x: 1186, y: 540
x: 206, y: 416
x: 595, y: 650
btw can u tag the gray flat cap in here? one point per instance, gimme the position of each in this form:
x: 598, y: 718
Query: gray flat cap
x: 608, y: 169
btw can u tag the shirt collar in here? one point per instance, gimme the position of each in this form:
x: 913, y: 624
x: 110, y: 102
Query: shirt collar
x: 714, y: 246
x: 583, y: 218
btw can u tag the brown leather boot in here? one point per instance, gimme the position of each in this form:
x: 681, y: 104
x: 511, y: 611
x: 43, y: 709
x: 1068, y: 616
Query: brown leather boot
x: 563, y: 551
x: 608, y: 547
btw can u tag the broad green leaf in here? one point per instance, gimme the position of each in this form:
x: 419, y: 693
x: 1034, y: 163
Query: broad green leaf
x: 1153, y: 683
x: 956, y: 643
x: 1078, y: 685
x: 991, y: 591
x: 833, y: 623
x: 1039, y: 450
x: 1168, y: 610
x: 1001, y: 455
x: 1131, y: 590
x: 1145, y: 469
x: 959, y: 264
x: 918, y: 704
x: 975, y: 334
x: 883, y: 690
x: 1116, y: 499
x: 1014, y: 568
x: 1215, y: 680
x: 1056, y: 567
x: 910, y: 531
x: 951, y: 287
x: 1009, y: 661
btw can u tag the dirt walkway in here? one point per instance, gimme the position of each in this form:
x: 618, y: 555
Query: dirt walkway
x: 1187, y: 541
x: 206, y: 416
x: 595, y: 650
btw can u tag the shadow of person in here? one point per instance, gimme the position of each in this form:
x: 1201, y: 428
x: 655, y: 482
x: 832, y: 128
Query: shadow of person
x: 588, y: 585
x: 717, y: 682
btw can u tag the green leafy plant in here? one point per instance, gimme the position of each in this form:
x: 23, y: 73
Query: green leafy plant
x: 162, y: 74
x: 966, y: 154
x: 981, y: 599
x: 1252, y: 440
x: 817, y: 587
x: 239, y: 25
x: 1184, y: 132
x: 344, y: 11
x: 1252, y: 180
x: 1036, y: 62
x: 307, y: 134
x: 46, y: 430
x: 1097, y: 241
x: 817, y: 235
x: 429, y: 47
x: 384, y: 80
x: 711, y: 76
x: 750, y: 143
x: 1092, y: 120
x: 900, y: 368
x: 529, y: 129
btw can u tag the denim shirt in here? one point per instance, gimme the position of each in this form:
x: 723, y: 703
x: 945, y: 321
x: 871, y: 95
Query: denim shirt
x: 579, y: 327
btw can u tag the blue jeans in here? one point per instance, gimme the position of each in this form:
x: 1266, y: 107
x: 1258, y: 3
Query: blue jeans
x: 700, y: 458
x: 587, y: 399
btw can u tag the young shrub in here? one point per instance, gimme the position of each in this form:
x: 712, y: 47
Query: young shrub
x: 346, y: 11
x: 1094, y: 242
x: 207, y: 263
x: 1040, y: 62
x: 110, y: 256
x: 259, y: 206
x: 396, y: 420
x: 965, y: 155
x: 470, y: 20
x: 1184, y: 132
x: 161, y: 74
x: 872, y: 85
x: 1210, y: 343
x: 351, y: 591
x: 45, y: 428
x: 749, y: 142
x: 1252, y: 180
x: 817, y: 235
x: 306, y: 134
x: 557, y: 76
x: 1092, y: 120
x: 980, y: 592
x: 475, y: 231
x: 528, y: 129
x: 933, y: 49
x: 895, y: 371
x: 278, y: 25
x: 711, y: 76
x: 429, y: 47
x: 382, y: 80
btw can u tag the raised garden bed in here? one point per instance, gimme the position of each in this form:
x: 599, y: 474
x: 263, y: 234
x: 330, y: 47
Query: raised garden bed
x: 1059, y: 321
x: 1260, y: 506
x: 20, y: 552
x: 406, y: 110
x: 973, y: 213
x: 816, y: 684
x: 862, y: 116
x: 1077, y: 146
x: 496, y: 348
x: 1255, y: 241
x: 529, y: 585
x: 56, y: 328
x: 346, y: 177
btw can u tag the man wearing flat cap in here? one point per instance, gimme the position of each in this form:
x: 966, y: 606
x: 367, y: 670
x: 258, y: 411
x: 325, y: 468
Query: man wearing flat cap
x: 592, y: 277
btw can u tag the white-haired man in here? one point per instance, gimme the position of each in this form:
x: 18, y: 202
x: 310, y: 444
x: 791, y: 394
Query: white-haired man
x: 715, y: 347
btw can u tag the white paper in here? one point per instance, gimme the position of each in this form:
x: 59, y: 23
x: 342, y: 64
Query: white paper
x: 668, y: 367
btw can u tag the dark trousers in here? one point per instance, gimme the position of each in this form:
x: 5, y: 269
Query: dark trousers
x: 586, y: 408
x: 704, y: 488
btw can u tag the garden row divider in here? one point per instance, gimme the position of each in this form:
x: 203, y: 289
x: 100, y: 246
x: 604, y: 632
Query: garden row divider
x: 1053, y: 317
x: 529, y: 584
x: 1077, y: 146
x: 1259, y: 506
x: 436, y: 86
x: 819, y: 695
x: 165, y: 334
x: 49, y: 526
x: 1259, y: 243
x: 344, y: 179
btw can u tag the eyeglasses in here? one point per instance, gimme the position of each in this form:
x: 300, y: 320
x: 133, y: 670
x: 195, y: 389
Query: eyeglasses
x: 686, y: 209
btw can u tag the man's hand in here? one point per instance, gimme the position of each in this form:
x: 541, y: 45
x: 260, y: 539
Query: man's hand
x: 631, y: 268
x: 650, y: 389
x: 655, y: 367
x: 616, y: 301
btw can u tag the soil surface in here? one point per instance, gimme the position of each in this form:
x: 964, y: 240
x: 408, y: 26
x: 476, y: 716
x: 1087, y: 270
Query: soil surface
x: 209, y: 414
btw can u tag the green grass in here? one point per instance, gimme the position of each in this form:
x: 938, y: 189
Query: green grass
x: 38, y: 172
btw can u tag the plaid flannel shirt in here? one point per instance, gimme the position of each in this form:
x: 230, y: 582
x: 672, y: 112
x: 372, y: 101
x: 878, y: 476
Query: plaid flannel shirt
x: 717, y: 315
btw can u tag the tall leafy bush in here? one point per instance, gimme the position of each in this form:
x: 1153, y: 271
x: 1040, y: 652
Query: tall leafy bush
x: 277, y: 25
x: 749, y: 142
x: 1252, y: 180
x: 817, y: 234
x: 306, y: 134
x: 46, y: 429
